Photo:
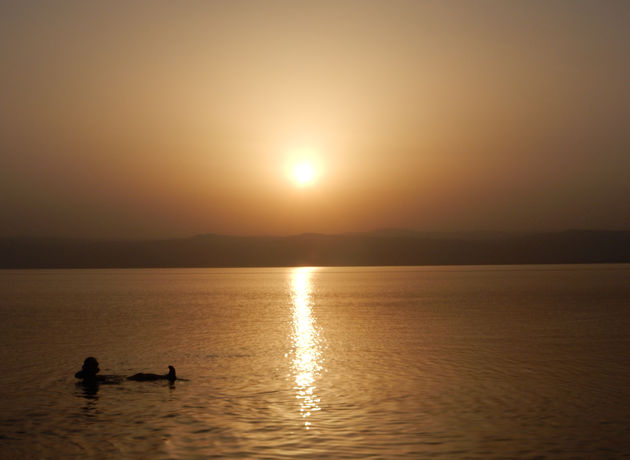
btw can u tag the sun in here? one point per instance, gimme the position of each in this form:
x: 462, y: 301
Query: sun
x: 303, y: 166
x: 304, y: 174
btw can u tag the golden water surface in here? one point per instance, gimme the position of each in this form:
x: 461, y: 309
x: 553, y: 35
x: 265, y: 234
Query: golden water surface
x: 400, y: 362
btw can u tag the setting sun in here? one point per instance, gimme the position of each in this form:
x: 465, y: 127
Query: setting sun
x: 303, y: 165
x: 304, y: 174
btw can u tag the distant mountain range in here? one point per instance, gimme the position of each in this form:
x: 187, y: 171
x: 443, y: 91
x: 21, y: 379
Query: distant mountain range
x: 382, y: 247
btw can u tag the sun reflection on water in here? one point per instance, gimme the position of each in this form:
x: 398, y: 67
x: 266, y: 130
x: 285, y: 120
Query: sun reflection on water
x: 307, y: 348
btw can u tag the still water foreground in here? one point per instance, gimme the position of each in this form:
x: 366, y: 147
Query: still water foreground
x: 457, y: 362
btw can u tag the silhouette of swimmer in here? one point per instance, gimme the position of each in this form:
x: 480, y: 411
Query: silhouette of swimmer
x: 89, y: 371
x: 142, y: 377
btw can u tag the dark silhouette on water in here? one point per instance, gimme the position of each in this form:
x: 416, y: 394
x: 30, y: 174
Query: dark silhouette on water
x: 90, y: 380
x: 89, y: 370
x: 142, y: 377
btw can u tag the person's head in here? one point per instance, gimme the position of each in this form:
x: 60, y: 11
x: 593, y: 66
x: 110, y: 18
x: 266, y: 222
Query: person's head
x: 90, y: 366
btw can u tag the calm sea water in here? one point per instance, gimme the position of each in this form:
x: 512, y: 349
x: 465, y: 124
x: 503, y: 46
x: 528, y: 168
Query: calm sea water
x: 457, y: 362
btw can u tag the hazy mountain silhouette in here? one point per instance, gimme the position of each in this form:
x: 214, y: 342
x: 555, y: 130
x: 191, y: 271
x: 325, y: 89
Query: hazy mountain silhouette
x: 382, y: 247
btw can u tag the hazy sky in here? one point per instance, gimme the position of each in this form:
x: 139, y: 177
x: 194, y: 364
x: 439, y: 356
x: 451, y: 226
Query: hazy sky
x: 150, y: 119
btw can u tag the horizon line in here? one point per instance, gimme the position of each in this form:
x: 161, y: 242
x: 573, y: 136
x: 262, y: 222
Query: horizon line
x: 387, y: 231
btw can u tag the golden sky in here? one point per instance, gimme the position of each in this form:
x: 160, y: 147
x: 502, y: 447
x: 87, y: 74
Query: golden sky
x: 152, y: 119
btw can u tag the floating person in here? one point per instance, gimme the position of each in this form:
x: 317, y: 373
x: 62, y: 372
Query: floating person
x: 89, y: 371
x: 142, y: 377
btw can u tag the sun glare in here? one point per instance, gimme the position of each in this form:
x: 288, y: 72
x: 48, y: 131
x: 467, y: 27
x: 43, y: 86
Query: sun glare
x: 304, y: 174
x: 303, y: 165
